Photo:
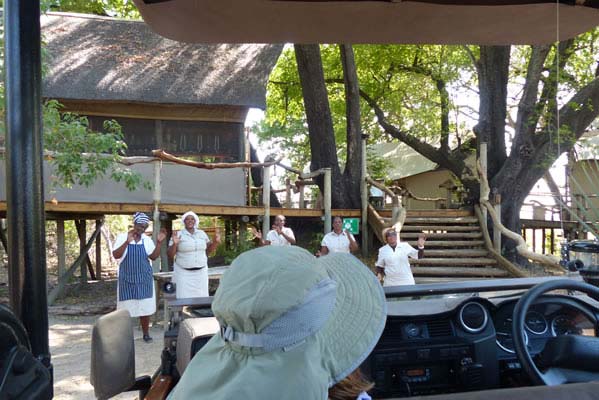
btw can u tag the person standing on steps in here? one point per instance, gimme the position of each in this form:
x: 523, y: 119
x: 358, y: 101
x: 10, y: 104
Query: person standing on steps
x: 392, y: 264
x: 135, y: 289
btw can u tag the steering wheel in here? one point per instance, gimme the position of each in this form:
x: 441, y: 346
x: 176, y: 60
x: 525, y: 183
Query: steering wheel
x: 565, y: 358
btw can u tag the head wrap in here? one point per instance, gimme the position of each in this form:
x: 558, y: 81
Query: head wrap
x: 141, y: 218
x: 194, y: 215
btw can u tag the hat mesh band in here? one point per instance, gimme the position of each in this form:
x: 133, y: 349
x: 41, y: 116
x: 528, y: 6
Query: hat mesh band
x: 294, y: 325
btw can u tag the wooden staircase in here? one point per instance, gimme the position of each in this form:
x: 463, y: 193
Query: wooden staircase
x: 455, y: 248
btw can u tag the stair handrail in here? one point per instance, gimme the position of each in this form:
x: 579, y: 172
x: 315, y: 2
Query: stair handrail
x: 398, y: 212
x: 547, y: 260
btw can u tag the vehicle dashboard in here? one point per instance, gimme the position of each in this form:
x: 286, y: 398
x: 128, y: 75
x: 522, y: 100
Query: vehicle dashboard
x: 456, y: 344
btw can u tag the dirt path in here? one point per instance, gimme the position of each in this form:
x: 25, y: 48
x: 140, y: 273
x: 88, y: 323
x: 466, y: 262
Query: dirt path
x: 70, y: 346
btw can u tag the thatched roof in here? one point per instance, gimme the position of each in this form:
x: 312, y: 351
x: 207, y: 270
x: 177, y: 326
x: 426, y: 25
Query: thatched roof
x: 97, y: 58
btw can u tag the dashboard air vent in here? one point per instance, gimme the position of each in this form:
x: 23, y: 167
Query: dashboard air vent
x: 473, y: 317
x: 439, y: 328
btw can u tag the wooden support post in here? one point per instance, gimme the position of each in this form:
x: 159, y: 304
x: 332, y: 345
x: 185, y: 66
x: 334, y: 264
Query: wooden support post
x: 552, y: 238
x: 483, y: 163
x: 81, y: 230
x: 63, y: 279
x: 228, y: 234
x: 98, y: 251
x: 327, y: 200
x: 364, y: 199
x: 60, y: 247
x: 287, y: 193
x: 243, y: 229
x: 266, y: 200
x: 534, y: 240
x: 543, y: 240
x: 496, y: 231
x: 234, y: 233
x: 156, y: 196
x: 165, y: 263
x: 302, y: 200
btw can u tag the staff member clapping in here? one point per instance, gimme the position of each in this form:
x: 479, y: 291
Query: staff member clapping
x: 338, y: 241
x: 189, y: 247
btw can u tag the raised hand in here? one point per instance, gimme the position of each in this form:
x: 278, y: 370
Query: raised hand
x: 161, y: 235
x: 131, y: 235
x: 257, y: 234
x: 176, y: 237
x: 421, y: 239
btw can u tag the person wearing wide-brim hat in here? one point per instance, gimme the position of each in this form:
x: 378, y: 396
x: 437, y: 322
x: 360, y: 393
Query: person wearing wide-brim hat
x: 135, y: 289
x: 291, y: 326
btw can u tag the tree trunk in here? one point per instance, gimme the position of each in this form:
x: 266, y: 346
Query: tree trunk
x: 320, y: 123
x: 493, y: 72
x: 353, y: 170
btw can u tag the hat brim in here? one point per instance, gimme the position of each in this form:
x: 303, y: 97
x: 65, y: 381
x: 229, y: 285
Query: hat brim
x: 223, y: 370
x: 358, y: 318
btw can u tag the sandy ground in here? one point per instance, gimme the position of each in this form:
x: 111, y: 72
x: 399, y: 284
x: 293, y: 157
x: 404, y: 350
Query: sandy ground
x: 70, y: 347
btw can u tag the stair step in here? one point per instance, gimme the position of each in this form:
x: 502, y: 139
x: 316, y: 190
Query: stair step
x: 449, y: 235
x: 455, y: 253
x: 453, y: 261
x: 440, y: 213
x: 459, y: 271
x: 441, y: 220
x: 447, y: 228
x: 442, y: 279
x: 449, y: 243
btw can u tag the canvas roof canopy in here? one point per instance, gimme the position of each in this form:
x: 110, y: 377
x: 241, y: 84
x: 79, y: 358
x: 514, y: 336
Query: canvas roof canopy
x: 490, y: 22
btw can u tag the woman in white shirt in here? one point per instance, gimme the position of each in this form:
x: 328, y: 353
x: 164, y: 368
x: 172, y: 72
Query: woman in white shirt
x: 190, y: 247
x: 392, y: 263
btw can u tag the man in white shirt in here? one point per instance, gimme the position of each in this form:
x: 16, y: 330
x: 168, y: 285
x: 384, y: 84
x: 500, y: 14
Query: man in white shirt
x: 339, y: 240
x: 392, y: 263
x: 280, y: 235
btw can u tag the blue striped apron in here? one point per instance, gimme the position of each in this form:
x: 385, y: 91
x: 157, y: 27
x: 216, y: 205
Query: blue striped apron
x: 135, y: 274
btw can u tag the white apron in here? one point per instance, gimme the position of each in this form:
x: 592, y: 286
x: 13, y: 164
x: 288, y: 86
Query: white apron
x: 190, y: 283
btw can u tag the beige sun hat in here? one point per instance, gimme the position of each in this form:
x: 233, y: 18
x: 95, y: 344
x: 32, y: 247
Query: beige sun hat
x: 292, y: 325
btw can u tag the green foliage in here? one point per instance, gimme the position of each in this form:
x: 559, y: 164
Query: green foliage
x: 111, y: 8
x: 231, y: 254
x: 80, y: 155
x: 402, y: 79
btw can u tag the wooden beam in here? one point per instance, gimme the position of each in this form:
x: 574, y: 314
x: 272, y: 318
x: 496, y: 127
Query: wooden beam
x: 126, y: 109
x: 60, y: 247
x: 87, y: 266
x: 63, y: 279
x: 94, y: 210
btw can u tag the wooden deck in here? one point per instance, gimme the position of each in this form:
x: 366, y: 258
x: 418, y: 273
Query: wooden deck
x: 54, y: 210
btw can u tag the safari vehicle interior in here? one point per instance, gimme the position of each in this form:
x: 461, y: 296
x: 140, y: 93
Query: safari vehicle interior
x: 478, y: 339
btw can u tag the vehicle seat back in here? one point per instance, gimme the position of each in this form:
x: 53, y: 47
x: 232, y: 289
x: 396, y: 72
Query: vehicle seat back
x: 113, y: 354
x: 193, y: 334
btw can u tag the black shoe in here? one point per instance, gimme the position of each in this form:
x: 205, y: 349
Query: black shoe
x: 148, y: 339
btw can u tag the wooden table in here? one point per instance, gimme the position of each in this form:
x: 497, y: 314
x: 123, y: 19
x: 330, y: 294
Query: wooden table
x: 160, y: 278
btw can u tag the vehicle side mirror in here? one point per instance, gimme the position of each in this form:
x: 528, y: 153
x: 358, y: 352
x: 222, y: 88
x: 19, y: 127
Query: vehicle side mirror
x: 113, y: 355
